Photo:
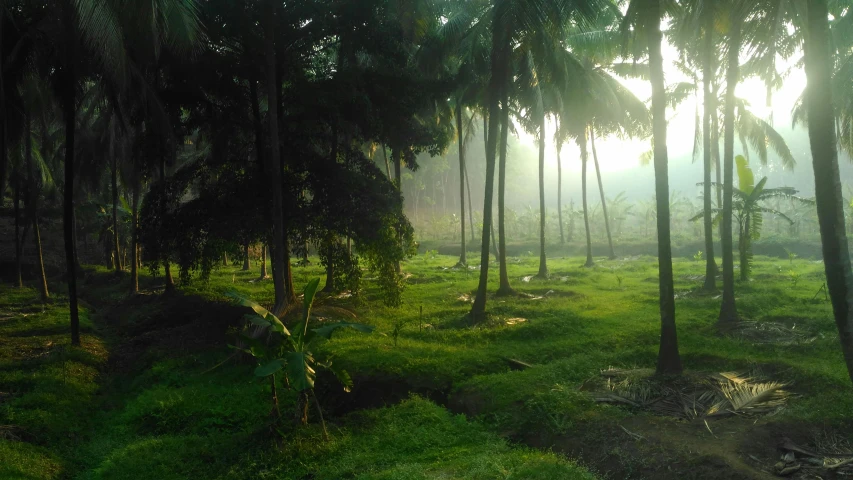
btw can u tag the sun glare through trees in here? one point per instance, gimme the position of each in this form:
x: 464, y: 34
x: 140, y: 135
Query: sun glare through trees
x: 426, y: 239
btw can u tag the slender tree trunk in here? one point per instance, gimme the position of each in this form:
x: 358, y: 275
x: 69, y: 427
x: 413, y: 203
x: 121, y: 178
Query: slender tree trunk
x: 69, y: 110
x: 830, y: 203
x: 167, y: 268
x: 584, y: 161
x: 504, y: 287
x: 715, y: 154
x: 601, y: 191
x: 397, y: 158
x: 499, y: 72
x: 32, y: 202
x: 387, y: 164
x: 19, y: 239
x: 470, y: 204
x: 114, y: 181
x: 743, y: 244
x: 134, y: 232
x: 263, y: 261
x: 728, y: 310
x: 560, y: 185
x: 246, y: 265
x: 273, y: 167
x: 709, y: 110
x: 495, y: 250
x: 543, y: 266
x: 669, y: 361
x: 463, y: 259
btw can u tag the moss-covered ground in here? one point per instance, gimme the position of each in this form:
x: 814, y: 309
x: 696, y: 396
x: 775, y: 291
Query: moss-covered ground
x: 154, y: 392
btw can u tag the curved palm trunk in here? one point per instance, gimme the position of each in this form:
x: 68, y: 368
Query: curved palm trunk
x: 463, y: 260
x: 601, y: 191
x: 499, y: 61
x: 134, y: 240
x: 543, y: 266
x: 273, y: 169
x: 707, y: 71
x: 728, y: 310
x: 830, y: 204
x: 669, y: 361
x: 69, y: 111
x: 504, y: 287
x: 584, y: 161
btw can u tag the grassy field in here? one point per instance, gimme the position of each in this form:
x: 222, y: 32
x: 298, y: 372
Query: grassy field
x: 152, y: 392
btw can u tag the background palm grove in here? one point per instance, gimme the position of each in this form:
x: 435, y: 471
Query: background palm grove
x: 426, y: 239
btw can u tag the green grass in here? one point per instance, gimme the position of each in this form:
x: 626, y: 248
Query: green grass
x: 170, y: 416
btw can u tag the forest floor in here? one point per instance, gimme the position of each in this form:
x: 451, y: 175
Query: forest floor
x: 154, y: 393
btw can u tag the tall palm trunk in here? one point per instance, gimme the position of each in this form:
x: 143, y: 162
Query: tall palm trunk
x: 504, y: 288
x: 709, y: 109
x: 114, y: 181
x: 32, y: 204
x: 69, y: 111
x: 584, y: 161
x: 601, y: 192
x: 830, y: 203
x: 543, y: 266
x: 499, y: 62
x: 470, y: 204
x: 669, y: 361
x: 463, y: 260
x: 495, y: 250
x: 167, y: 267
x: 263, y: 261
x: 728, y: 309
x: 559, y: 184
x: 19, y: 239
x: 134, y: 233
x: 273, y: 167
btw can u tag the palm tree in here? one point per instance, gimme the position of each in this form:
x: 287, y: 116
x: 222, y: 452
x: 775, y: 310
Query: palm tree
x: 645, y: 16
x: 830, y: 206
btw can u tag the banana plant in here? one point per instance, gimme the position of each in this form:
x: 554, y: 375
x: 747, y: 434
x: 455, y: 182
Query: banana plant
x: 749, y: 208
x: 289, y: 353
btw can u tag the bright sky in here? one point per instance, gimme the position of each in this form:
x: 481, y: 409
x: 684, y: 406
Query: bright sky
x: 616, y: 154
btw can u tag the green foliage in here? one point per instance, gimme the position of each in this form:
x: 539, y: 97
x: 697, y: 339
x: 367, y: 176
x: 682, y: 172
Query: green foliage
x: 291, y: 353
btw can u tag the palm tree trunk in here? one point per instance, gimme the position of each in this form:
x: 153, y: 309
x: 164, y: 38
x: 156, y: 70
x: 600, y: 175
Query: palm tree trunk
x: 728, y: 309
x: 743, y: 244
x: 167, y: 268
x: 263, y: 261
x: 273, y: 166
x: 470, y: 203
x: 669, y: 361
x: 69, y: 107
x: 114, y: 181
x: 584, y: 161
x: 709, y: 110
x: 32, y: 203
x: 246, y: 265
x: 134, y: 232
x: 504, y: 287
x: 830, y: 203
x: 397, y: 159
x: 495, y: 250
x: 463, y: 260
x: 19, y: 240
x: 499, y: 59
x: 601, y: 191
x: 560, y: 185
x: 543, y: 267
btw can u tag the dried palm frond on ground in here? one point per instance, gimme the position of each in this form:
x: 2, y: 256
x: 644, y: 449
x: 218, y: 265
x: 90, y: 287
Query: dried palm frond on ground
x: 695, y: 395
x: 827, y: 454
x: 769, y: 332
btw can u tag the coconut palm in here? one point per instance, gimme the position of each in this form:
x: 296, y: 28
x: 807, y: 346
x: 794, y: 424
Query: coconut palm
x: 830, y: 206
x: 644, y: 17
